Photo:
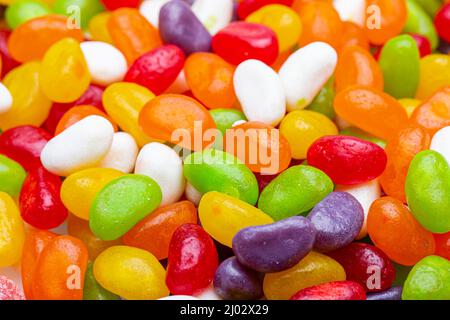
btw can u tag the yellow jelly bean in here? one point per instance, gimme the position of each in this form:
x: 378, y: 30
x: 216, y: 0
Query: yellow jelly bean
x: 284, y: 21
x: 410, y: 105
x: 12, y: 233
x: 131, y: 273
x: 222, y: 216
x: 98, y: 27
x: 302, y: 127
x: 64, y: 74
x: 79, y: 189
x: 312, y: 270
x: 123, y: 101
x: 30, y: 105
x: 434, y: 75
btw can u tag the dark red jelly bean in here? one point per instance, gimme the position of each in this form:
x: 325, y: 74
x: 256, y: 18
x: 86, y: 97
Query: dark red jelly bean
x: 336, y: 290
x: 442, y: 22
x: 8, y: 63
x: 116, y: 4
x: 246, y: 7
x: 423, y: 44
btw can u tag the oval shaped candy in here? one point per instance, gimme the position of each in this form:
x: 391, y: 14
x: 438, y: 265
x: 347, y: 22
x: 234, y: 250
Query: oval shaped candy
x: 335, y: 290
x: 12, y: 176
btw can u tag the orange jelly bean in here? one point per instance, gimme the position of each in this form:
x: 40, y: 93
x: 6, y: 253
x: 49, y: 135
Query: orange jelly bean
x: 442, y: 245
x: 31, y: 40
x: 393, y: 229
x: 354, y: 35
x: 154, y: 232
x: 370, y: 110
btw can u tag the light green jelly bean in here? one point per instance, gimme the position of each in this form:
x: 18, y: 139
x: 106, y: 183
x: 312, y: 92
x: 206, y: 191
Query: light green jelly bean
x: 121, y: 204
x: 87, y: 9
x: 358, y: 133
x: 323, y: 102
x: 295, y: 191
x: 92, y: 290
x: 400, y: 64
x: 12, y: 176
x: 225, y: 118
x: 215, y: 170
x: 428, y: 191
x: 420, y: 22
x: 429, y: 279
x: 431, y: 7
x: 21, y: 11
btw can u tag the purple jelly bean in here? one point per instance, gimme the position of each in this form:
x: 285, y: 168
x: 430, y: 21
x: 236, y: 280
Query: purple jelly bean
x: 233, y: 281
x: 178, y: 25
x: 274, y: 247
x: 338, y: 218
x: 394, y: 293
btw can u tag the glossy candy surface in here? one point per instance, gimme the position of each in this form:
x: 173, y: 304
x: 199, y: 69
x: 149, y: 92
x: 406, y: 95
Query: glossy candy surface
x: 12, y: 176
x: 336, y: 290
x: 13, y: 233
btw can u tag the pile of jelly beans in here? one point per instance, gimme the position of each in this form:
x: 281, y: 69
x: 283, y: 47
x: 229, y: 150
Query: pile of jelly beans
x: 102, y: 196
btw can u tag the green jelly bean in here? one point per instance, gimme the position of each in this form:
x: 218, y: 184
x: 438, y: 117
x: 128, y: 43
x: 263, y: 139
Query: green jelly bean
x: 358, y: 133
x: 24, y: 10
x: 295, y: 191
x: 323, y: 102
x: 429, y: 279
x: 431, y: 7
x: 12, y: 176
x: 225, y: 118
x: 92, y: 290
x: 215, y: 170
x: 428, y: 191
x: 400, y: 64
x: 121, y: 204
x: 420, y: 22
x: 87, y: 9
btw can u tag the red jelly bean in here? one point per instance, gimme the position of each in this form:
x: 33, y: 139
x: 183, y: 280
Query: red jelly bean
x: 240, y: 41
x: 116, y: 4
x: 423, y: 44
x: 336, y: 290
x: 24, y: 145
x: 347, y: 160
x: 40, y: 200
x: 442, y: 22
x: 246, y: 7
x: 366, y: 265
x: 157, y: 69
x: 192, y: 261
x: 8, y: 63
x: 442, y: 245
x: 9, y: 290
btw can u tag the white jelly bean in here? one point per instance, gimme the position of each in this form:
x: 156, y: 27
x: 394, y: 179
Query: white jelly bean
x: 82, y: 145
x: 180, y: 84
x: 441, y: 143
x: 214, y: 15
x: 305, y: 72
x: 162, y: 164
x: 351, y: 10
x: 122, y: 154
x: 150, y: 10
x: 260, y: 92
x: 192, y: 194
x: 179, y: 297
x: 208, y: 294
x: 105, y: 62
x: 6, y: 99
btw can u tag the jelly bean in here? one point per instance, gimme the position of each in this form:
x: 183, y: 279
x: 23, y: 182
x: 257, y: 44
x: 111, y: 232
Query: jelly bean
x: 399, y: 61
x: 122, y: 203
x: 214, y: 170
x: 122, y: 154
x: 434, y: 75
x: 154, y: 232
x: 370, y: 110
x: 98, y: 27
x: 213, y: 15
x: 423, y: 44
x: 241, y: 40
x: 335, y: 290
x: 274, y: 247
x: 323, y: 102
x: 358, y: 133
x: 86, y: 8
x: 24, y: 144
x: 225, y: 118
x: 428, y: 280
x: 116, y: 4
x: 284, y: 21
x: 12, y: 176
x: 151, y: 9
x: 83, y: 145
x: 338, y: 219
x: 42, y: 33
x: 162, y: 164
x: 246, y: 7
x: 305, y: 72
x: 442, y: 22
x: 223, y: 216
x: 442, y: 245
x: 312, y: 270
x: 401, y: 149
x: 233, y: 281
x: 210, y: 79
x: 295, y: 191
x: 157, y: 121
x: 385, y: 19
x: 394, y: 293
x: 92, y: 290
x: 421, y: 23
x: 13, y: 233
x: 190, y: 275
x: 430, y: 6
x: 123, y: 102
x: 427, y: 188
x: 192, y: 194
x: 410, y: 105
x: 6, y: 99
x: 356, y: 66
x: 178, y: 25
x: 354, y: 35
x: 260, y: 92
x: 78, y: 113
x: 9, y: 290
x: 29, y: 107
x: 60, y: 269
x: 106, y: 64
x: 132, y: 33
x: 157, y: 69
x: 40, y: 202
x: 351, y: 11
x: 131, y: 273
x: 366, y: 265
x: 337, y: 155
x: 22, y: 11
x: 393, y: 229
x: 8, y: 63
